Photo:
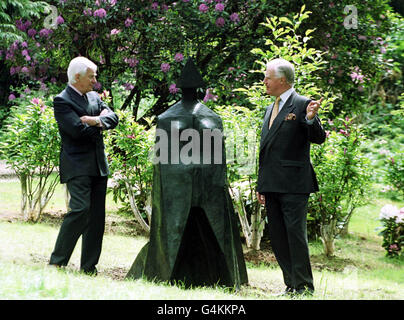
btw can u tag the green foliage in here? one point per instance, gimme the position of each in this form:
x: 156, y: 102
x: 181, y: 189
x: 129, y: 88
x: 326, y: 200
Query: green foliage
x: 395, y: 172
x: 128, y: 148
x: 12, y: 9
x: 344, y: 177
x: 286, y: 41
x: 30, y: 145
x: 392, y: 231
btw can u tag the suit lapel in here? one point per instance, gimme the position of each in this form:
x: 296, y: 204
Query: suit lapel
x: 269, y: 135
x: 78, y: 101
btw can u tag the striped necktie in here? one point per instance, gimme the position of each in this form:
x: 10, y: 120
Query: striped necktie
x: 275, y: 111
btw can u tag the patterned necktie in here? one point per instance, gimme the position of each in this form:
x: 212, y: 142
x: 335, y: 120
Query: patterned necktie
x: 275, y: 111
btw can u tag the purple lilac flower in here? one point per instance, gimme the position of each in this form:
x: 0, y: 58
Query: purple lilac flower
x: 44, y: 33
x: 31, y: 32
x: 173, y: 88
x: 219, y: 7
x: 178, y: 57
x: 101, y: 13
x: 60, y: 20
x: 203, y: 8
x: 11, y: 97
x: 220, y: 22
x: 165, y: 67
x: 128, y: 22
x: 234, y: 17
x: 97, y: 86
x: 155, y: 6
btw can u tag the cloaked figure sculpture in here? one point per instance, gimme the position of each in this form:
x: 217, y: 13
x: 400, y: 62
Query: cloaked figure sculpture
x: 194, y: 237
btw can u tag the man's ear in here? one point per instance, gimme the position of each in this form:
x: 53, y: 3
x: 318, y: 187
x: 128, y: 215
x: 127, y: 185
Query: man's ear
x: 77, y: 77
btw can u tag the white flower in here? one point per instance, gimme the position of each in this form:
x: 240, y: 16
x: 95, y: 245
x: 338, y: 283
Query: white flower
x: 400, y: 216
x: 389, y: 211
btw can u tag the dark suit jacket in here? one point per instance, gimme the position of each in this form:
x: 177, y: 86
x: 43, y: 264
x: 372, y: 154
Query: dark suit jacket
x: 284, y: 158
x: 82, y: 149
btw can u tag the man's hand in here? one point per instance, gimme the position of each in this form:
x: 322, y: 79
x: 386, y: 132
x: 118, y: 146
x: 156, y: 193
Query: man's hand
x: 261, y: 198
x: 312, y: 109
x: 104, y: 112
x: 91, y: 121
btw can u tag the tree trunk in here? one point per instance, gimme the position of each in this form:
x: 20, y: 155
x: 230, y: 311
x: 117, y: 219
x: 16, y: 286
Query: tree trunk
x: 135, y: 209
x: 327, y: 237
x: 257, y: 227
x: 24, y: 196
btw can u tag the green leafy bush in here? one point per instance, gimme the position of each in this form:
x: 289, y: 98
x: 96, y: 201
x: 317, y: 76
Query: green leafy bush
x: 392, y: 219
x: 128, y: 148
x: 30, y: 145
x: 344, y: 177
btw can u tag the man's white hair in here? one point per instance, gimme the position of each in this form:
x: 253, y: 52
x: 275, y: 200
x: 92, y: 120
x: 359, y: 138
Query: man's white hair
x: 283, y: 68
x: 79, y: 65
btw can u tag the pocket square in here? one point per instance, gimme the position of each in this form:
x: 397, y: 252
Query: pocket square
x: 290, y: 116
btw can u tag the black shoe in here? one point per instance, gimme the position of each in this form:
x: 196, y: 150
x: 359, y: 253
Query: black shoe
x: 92, y: 272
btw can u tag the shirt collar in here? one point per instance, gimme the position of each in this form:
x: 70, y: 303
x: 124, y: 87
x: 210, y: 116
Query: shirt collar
x: 285, y: 96
x: 76, y: 90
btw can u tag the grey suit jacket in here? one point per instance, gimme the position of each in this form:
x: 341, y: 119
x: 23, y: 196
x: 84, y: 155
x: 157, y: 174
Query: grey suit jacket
x: 284, y: 158
x: 82, y: 146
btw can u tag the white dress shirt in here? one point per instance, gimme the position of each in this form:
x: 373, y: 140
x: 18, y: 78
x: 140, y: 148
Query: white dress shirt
x: 284, y: 97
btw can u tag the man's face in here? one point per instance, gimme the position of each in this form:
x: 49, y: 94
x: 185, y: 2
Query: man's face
x: 274, y: 86
x: 85, y: 83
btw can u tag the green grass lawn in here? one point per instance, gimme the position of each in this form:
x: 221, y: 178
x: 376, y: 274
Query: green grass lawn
x: 359, y: 269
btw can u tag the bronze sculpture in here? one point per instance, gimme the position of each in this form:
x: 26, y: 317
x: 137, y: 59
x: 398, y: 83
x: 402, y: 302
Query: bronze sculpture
x: 194, y: 237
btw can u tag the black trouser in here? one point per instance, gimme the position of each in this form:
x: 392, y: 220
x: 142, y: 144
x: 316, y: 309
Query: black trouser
x: 86, y: 217
x: 287, y: 222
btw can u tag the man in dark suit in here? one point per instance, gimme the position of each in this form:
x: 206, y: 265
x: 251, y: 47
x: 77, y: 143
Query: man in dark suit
x: 82, y: 117
x: 286, y: 177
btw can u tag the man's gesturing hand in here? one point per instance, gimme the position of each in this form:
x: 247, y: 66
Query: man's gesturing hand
x: 312, y: 109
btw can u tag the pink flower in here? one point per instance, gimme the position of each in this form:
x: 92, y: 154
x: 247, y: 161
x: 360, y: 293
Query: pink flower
x: 24, y: 52
x: 128, y: 22
x: 130, y: 136
x: 11, y: 97
x: 173, y: 88
x: 115, y: 31
x: 219, y: 7
x: 60, y: 20
x: 101, y: 13
x: 44, y: 33
x: 220, y: 22
x: 235, y: 18
x: 31, y: 32
x: 128, y: 86
x: 165, y: 67
x: 97, y: 86
x: 203, y: 8
x: 178, y: 57
x: 155, y: 6
x: 209, y: 96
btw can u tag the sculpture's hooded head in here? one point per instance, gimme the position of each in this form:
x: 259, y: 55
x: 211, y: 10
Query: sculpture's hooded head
x: 190, y: 77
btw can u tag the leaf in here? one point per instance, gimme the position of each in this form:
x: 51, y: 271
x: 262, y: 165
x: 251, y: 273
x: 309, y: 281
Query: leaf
x: 284, y: 19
